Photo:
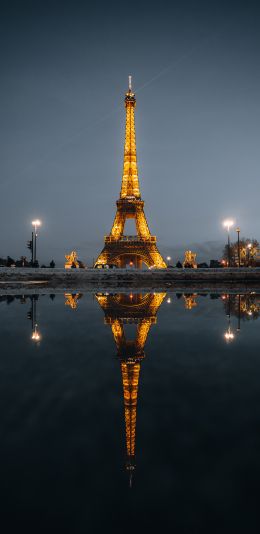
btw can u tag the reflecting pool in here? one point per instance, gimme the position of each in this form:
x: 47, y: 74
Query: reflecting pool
x: 130, y: 412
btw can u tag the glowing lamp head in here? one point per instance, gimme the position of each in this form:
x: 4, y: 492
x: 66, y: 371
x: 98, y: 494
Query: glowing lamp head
x: 168, y: 258
x: 169, y: 300
x: 228, y: 223
x: 36, y: 223
x: 249, y: 245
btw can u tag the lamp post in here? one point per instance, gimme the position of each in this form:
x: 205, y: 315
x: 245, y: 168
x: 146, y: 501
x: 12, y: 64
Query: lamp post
x: 249, y: 246
x: 238, y: 245
x: 228, y: 224
x: 35, y: 224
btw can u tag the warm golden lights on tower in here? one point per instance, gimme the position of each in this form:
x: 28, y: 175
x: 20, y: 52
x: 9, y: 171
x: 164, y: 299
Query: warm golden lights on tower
x: 119, y: 310
x: 121, y: 249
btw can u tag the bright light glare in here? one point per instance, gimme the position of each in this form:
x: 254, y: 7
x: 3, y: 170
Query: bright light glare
x: 168, y: 258
x: 229, y: 336
x: 228, y: 223
x: 169, y: 300
x: 36, y: 336
x: 36, y: 223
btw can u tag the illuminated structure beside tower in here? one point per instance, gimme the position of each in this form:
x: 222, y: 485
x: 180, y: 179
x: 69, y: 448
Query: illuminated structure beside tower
x: 120, y: 249
x: 120, y: 310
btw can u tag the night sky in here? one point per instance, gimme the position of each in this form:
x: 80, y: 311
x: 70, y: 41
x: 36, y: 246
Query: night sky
x: 64, y: 69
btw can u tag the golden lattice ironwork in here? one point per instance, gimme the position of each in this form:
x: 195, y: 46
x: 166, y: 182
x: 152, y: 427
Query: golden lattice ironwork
x: 141, y: 248
x: 121, y: 309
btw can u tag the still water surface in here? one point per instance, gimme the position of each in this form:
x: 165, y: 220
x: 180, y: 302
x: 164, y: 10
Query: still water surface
x: 127, y: 412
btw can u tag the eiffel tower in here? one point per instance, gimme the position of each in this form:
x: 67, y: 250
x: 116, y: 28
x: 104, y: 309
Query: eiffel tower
x: 141, y: 310
x: 120, y: 249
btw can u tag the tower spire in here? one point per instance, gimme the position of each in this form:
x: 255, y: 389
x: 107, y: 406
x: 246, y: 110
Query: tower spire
x: 130, y: 182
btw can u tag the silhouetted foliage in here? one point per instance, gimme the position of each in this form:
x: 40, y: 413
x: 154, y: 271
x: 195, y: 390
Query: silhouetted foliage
x: 179, y: 265
x: 52, y: 264
x: 10, y: 261
x: 215, y: 264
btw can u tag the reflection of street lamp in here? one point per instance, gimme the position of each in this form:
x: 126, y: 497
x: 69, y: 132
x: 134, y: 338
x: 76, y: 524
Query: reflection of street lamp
x: 35, y: 223
x: 36, y: 336
x: 228, y: 224
x: 229, y: 335
x: 238, y: 245
x: 239, y: 313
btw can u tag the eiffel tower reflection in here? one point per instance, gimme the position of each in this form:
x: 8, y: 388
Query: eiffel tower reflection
x: 120, y: 310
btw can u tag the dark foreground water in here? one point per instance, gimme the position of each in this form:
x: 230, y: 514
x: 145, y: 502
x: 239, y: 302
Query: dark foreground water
x: 130, y: 413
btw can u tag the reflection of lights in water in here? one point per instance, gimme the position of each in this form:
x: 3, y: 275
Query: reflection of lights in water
x: 169, y: 300
x: 229, y: 335
x: 131, y: 296
x: 36, y: 336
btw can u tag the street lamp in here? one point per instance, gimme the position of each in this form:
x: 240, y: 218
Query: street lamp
x: 228, y: 224
x: 168, y: 259
x: 249, y: 246
x: 238, y: 245
x: 35, y: 224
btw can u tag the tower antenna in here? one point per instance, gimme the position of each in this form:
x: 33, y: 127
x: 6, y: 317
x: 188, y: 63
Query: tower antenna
x: 130, y: 83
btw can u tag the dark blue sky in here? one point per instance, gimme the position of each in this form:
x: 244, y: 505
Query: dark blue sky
x: 64, y: 68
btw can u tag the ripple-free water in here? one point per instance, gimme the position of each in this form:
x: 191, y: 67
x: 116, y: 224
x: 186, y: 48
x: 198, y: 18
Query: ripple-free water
x: 130, y: 412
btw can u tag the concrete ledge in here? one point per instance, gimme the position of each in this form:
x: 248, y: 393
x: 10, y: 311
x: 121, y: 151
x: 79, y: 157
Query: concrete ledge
x: 124, y: 278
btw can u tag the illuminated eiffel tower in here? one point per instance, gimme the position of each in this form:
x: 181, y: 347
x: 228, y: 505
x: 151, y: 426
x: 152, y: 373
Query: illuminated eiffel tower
x: 124, y: 309
x: 120, y: 249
